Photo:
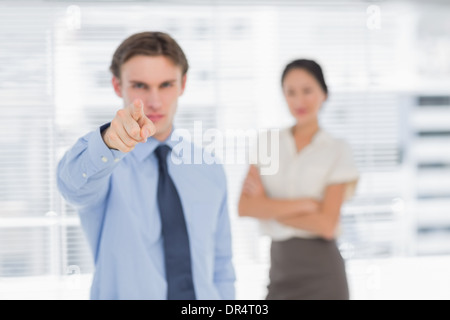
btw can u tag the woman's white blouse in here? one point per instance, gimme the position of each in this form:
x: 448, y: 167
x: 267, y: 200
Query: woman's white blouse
x: 306, y: 174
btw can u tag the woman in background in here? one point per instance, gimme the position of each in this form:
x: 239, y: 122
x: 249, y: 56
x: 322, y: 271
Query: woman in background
x: 299, y: 207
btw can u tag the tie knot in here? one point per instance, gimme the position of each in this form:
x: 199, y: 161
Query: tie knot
x: 161, y: 153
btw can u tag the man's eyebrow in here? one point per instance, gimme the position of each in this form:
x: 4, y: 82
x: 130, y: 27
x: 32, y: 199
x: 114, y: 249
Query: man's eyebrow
x: 141, y: 82
x: 169, y: 81
x: 137, y: 81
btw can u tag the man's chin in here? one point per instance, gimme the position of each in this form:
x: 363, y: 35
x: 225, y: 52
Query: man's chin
x: 162, y: 134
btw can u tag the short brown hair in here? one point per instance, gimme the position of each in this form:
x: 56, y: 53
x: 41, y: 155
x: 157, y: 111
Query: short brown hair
x: 148, y: 44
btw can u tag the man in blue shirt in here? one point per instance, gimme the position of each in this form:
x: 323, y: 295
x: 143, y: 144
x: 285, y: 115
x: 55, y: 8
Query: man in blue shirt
x: 111, y: 176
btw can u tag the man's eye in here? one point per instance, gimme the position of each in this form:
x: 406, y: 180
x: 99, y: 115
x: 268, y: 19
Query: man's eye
x: 166, y: 85
x: 139, y: 85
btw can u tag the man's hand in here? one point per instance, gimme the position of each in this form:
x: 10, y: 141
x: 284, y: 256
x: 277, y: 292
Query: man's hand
x: 129, y: 127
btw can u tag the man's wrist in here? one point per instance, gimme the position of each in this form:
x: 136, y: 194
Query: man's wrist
x: 104, y: 127
x: 103, y: 130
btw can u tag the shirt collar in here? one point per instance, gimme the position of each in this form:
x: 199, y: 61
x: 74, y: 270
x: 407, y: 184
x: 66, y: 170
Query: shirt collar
x: 321, y: 136
x: 143, y: 150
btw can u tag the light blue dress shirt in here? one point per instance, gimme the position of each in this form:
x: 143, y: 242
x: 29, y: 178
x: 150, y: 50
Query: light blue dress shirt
x: 115, y: 195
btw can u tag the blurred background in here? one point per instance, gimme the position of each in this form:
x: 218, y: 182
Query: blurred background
x: 387, y: 64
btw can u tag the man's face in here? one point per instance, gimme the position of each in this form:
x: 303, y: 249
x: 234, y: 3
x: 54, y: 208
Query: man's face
x: 158, y: 82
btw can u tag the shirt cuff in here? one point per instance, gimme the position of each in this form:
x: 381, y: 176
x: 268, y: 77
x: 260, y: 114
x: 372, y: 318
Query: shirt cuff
x: 101, y: 156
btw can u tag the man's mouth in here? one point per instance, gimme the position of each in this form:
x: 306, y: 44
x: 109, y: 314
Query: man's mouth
x: 155, y: 117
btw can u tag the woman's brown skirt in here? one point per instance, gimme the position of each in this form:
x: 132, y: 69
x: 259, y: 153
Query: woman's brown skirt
x: 307, y: 269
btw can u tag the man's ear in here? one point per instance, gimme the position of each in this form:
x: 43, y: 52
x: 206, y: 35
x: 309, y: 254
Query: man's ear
x: 117, y: 86
x: 183, y: 83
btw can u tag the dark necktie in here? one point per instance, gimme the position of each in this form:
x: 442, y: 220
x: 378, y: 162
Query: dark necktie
x: 175, y: 236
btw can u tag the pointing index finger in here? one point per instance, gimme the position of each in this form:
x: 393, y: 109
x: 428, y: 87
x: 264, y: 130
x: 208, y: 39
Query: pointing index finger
x: 137, y: 109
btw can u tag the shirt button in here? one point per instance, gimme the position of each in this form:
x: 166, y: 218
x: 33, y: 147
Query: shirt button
x: 84, y: 175
x: 104, y: 159
x: 116, y: 159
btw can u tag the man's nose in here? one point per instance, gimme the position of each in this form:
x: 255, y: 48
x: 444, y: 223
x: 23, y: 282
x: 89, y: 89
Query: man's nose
x: 153, y: 100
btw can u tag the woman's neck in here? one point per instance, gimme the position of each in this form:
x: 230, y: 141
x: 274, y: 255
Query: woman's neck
x: 303, y: 134
x: 306, y: 131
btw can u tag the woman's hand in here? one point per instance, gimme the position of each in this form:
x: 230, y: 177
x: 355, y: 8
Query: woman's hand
x: 310, y: 206
x: 254, y: 202
x: 253, y: 185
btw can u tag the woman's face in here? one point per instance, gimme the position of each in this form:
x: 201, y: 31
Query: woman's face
x: 304, y: 95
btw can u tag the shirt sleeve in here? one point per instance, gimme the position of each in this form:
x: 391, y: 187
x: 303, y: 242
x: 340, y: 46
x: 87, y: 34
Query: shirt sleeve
x: 224, y: 273
x: 345, y: 170
x: 83, y: 172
